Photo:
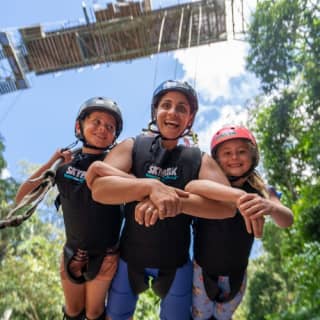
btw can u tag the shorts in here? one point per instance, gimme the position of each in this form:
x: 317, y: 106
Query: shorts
x: 107, y: 270
x: 204, y: 308
x: 175, y: 306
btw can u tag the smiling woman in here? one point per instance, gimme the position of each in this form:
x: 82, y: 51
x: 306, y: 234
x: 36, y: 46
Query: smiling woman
x: 149, y: 173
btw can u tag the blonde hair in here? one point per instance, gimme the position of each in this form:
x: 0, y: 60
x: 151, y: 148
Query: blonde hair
x: 256, y: 182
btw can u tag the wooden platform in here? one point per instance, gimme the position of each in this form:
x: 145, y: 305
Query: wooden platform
x: 125, y: 31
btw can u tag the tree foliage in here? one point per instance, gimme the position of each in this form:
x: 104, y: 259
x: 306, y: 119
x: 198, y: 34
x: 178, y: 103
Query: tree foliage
x: 29, y: 262
x: 29, y: 277
x: 8, y: 186
x: 285, y: 56
x: 148, y: 306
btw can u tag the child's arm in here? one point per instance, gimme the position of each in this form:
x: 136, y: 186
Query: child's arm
x: 214, y: 190
x: 30, y: 185
x: 254, y: 206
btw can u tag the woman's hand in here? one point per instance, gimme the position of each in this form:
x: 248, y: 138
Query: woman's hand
x: 146, y: 213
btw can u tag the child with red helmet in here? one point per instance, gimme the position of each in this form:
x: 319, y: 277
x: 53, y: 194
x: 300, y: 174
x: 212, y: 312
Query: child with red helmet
x: 222, y: 247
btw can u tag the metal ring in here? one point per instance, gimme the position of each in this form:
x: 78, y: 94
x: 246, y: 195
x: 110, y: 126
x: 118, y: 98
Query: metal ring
x: 150, y: 209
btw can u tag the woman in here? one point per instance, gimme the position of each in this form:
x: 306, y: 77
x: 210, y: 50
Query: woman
x: 153, y: 169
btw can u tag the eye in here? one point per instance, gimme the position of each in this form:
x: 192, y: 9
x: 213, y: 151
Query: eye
x: 95, y: 122
x: 225, y: 153
x: 110, y: 128
x: 182, y: 108
x: 165, y: 105
x: 243, y: 151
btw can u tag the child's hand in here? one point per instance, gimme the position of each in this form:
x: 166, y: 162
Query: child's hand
x: 60, y: 153
x: 253, y: 206
x: 255, y: 226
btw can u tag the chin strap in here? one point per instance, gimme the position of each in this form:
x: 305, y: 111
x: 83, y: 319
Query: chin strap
x: 245, y: 175
x: 90, y: 146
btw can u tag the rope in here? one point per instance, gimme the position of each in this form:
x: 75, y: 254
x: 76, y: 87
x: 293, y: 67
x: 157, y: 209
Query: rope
x: 30, y: 201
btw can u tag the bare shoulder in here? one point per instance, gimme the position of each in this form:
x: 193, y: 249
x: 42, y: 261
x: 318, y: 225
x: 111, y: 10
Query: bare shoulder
x: 210, y: 170
x: 121, y: 155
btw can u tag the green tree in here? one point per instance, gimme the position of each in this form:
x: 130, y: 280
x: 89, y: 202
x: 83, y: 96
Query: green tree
x: 29, y: 277
x: 148, y: 306
x: 8, y: 186
x: 285, y: 55
x: 29, y: 260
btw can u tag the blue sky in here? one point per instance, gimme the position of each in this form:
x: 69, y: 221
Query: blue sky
x: 36, y: 121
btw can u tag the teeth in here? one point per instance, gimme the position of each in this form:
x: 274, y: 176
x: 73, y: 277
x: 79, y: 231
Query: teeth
x: 171, y: 124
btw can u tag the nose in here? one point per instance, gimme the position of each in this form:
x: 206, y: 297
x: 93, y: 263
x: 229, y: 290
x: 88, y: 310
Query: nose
x: 101, y: 127
x: 234, y: 155
x: 172, y: 110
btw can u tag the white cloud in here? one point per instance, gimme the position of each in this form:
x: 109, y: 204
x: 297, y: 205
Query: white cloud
x: 5, y: 173
x: 218, y: 73
x: 228, y: 115
x: 211, y: 67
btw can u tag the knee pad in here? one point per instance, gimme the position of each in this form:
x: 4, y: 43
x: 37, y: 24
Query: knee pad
x: 80, y: 316
x: 101, y: 317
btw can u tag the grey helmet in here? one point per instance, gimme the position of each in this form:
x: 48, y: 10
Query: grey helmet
x: 100, y: 104
x: 174, y: 85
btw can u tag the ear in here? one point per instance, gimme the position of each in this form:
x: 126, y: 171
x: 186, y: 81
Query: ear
x: 191, y: 120
x: 77, y: 127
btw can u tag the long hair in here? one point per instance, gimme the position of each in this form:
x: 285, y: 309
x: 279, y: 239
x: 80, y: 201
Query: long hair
x: 256, y: 181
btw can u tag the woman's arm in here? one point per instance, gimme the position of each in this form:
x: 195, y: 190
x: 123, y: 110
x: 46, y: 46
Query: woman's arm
x: 111, y: 183
x: 213, y: 184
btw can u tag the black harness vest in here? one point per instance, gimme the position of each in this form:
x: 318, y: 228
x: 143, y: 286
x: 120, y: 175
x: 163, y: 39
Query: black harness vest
x: 166, y: 244
x: 89, y: 225
x: 222, y: 248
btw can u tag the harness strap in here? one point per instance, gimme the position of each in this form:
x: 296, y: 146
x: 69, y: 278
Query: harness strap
x: 214, y: 292
x: 163, y: 282
x: 160, y: 285
x: 137, y: 279
x: 82, y: 266
x: 68, y: 255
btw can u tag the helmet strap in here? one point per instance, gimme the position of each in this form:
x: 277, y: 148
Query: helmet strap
x: 70, y: 146
x: 245, y: 175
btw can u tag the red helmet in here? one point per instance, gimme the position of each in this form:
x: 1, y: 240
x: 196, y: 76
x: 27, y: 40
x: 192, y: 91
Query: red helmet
x: 230, y: 133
